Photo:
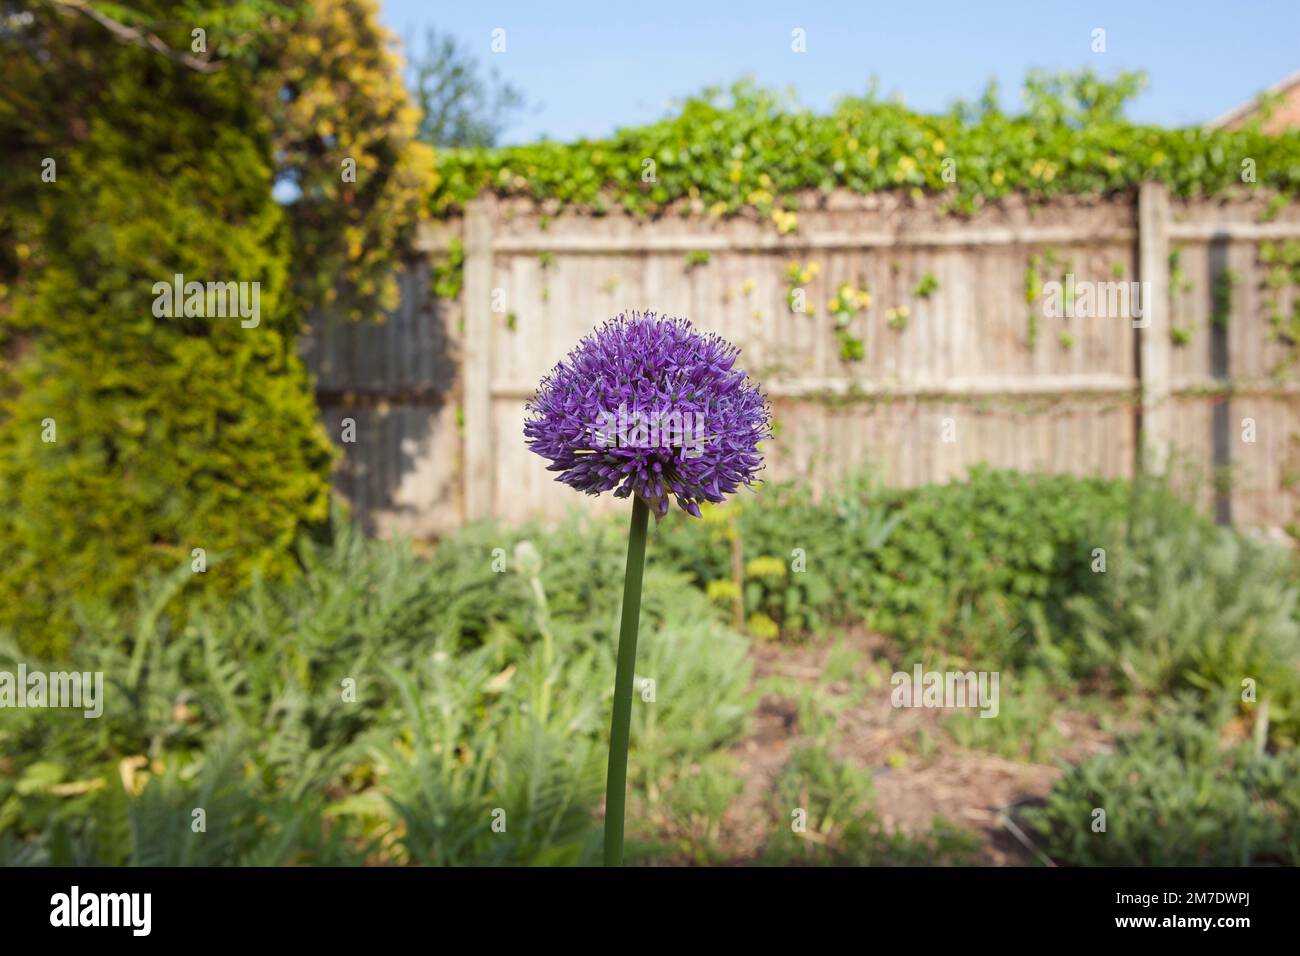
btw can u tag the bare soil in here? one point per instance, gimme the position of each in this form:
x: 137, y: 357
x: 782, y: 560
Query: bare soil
x: 976, y: 790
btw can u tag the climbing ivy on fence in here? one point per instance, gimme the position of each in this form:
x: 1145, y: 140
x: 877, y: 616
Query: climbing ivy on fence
x: 751, y: 147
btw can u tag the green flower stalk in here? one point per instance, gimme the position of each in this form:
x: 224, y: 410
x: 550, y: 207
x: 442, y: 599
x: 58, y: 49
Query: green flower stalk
x: 621, y: 724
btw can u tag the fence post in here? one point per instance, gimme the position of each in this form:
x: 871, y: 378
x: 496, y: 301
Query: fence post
x: 1155, y: 412
x: 477, y: 382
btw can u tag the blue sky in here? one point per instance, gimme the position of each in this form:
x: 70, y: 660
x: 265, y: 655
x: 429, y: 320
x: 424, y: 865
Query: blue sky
x: 589, y: 67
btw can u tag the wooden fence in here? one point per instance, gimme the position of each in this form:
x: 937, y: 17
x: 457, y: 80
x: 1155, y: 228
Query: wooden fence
x: 974, y: 372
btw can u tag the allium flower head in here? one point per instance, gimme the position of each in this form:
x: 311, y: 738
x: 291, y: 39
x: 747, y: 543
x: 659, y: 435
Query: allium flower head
x: 648, y: 405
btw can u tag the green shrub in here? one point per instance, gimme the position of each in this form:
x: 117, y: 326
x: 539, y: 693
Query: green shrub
x: 183, y: 432
x: 1176, y: 795
x: 968, y: 569
x: 168, y: 433
x: 973, y: 565
x: 806, y: 564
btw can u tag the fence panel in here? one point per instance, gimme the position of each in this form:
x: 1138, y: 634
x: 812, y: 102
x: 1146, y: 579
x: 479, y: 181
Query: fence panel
x: 976, y: 369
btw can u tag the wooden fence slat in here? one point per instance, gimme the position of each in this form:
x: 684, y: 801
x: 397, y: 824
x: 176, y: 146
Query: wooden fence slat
x: 1154, y: 335
x: 477, y: 375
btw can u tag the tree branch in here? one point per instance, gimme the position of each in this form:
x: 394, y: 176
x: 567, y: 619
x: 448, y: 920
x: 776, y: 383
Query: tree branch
x: 136, y: 37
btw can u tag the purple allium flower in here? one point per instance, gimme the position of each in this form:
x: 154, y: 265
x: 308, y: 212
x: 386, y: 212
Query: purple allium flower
x: 647, y: 404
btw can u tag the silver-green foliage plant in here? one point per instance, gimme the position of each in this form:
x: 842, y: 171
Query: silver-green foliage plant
x: 1183, y: 604
x: 1176, y: 794
x: 380, y: 707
